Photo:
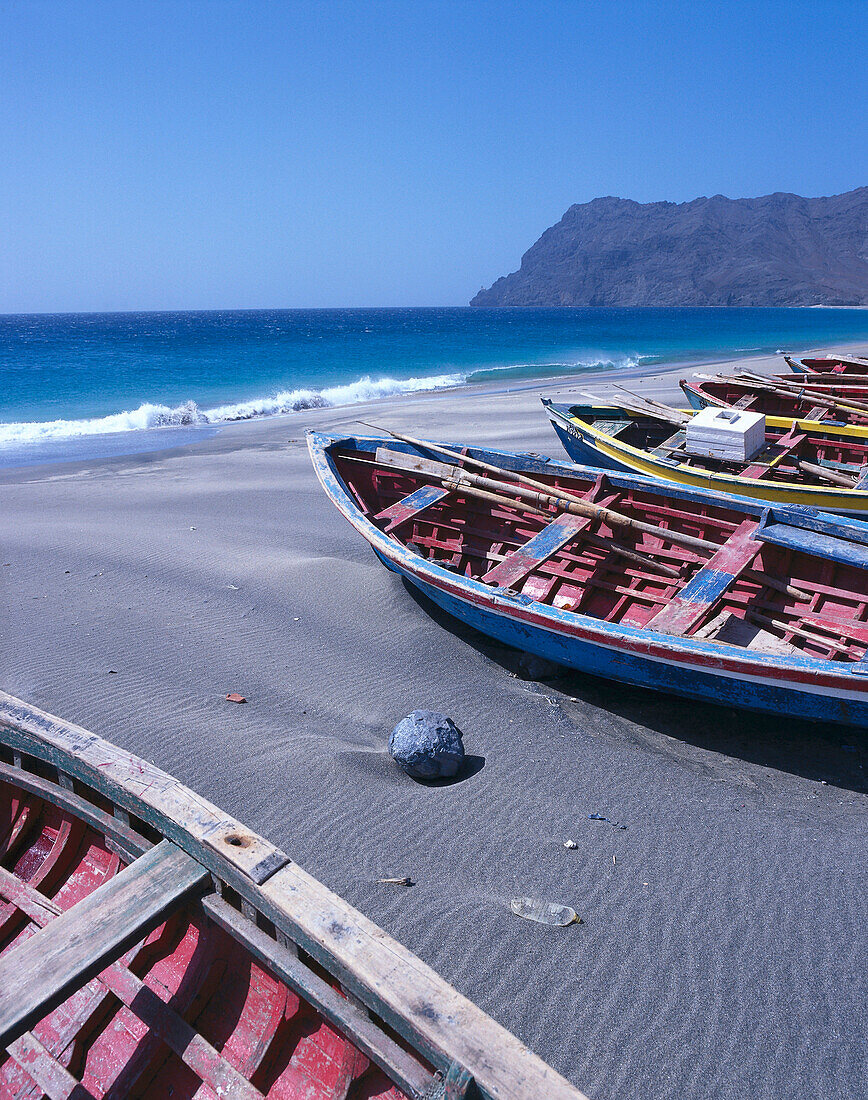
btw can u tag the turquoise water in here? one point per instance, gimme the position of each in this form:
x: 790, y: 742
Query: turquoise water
x: 76, y: 385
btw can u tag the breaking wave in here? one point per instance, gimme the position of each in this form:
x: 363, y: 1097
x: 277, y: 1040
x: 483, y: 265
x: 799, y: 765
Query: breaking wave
x: 189, y: 414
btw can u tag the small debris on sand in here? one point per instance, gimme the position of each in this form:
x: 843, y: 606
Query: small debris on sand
x: 544, y: 912
x: 234, y: 697
x: 407, y: 881
x: 570, y: 844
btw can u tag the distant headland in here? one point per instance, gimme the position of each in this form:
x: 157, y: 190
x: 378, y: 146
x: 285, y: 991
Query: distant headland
x: 778, y: 250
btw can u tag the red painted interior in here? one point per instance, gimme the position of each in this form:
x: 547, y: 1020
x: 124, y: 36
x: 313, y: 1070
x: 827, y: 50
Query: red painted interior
x: 278, y: 1042
x: 470, y: 537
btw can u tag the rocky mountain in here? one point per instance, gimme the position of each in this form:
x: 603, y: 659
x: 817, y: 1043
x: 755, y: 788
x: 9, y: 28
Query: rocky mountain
x: 778, y: 250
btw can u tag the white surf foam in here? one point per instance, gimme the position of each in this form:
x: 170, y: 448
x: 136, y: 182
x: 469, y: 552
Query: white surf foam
x: 189, y: 414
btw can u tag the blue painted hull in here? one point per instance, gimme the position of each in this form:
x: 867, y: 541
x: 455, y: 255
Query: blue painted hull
x: 583, y: 453
x: 614, y: 664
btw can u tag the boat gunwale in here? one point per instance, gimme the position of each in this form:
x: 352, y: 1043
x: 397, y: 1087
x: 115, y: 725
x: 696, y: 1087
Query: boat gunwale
x: 799, y: 672
x: 732, y: 482
x: 440, y: 1025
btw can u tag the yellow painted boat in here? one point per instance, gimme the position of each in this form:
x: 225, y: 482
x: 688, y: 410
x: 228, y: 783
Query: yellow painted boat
x: 805, y: 462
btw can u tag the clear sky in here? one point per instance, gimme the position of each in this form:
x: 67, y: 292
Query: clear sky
x: 214, y: 154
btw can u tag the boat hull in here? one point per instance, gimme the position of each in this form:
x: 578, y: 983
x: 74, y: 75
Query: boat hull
x: 151, y: 945
x: 709, y: 681
x: 797, y: 685
x: 590, y: 447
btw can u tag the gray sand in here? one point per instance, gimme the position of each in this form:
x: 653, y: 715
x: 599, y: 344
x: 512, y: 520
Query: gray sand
x: 722, y: 951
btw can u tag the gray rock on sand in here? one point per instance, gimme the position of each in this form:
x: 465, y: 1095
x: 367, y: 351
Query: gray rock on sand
x: 427, y: 745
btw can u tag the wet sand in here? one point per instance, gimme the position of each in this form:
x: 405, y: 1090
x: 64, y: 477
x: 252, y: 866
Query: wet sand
x: 722, y: 950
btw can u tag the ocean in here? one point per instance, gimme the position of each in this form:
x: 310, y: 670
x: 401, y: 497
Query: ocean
x: 77, y: 386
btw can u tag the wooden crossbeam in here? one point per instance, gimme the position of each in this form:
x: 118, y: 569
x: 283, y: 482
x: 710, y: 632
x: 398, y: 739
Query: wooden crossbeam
x: 40, y: 1065
x: 42, y: 972
x: 545, y: 544
x: 773, y: 454
x: 218, y: 1074
x: 536, y: 550
x: 412, y: 505
x: 673, y: 443
x: 704, y: 589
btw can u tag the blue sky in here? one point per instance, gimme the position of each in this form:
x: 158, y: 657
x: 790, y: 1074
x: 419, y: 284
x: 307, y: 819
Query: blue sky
x: 215, y: 154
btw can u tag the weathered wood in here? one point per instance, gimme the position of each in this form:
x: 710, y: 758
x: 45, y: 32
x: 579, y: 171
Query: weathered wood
x: 40, y: 973
x: 705, y: 588
x: 399, y: 988
x: 44, y: 1069
x: 774, y: 454
x: 346, y: 1013
x: 128, y: 843
x: 411, y: 505
x: 536, y: 550
x: 194, y: 1051
x: 139, y: 787
x: 412, y: 998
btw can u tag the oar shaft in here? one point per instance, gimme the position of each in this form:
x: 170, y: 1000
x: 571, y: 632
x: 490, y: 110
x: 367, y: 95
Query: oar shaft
x: 564, y: 495
x: 470, y: 489
x: 832, y: 476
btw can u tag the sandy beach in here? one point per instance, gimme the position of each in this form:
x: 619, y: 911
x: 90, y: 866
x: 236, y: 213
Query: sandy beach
x: 722, y: 946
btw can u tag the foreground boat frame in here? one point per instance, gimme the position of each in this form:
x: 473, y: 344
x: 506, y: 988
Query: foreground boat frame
x: 262, y: 899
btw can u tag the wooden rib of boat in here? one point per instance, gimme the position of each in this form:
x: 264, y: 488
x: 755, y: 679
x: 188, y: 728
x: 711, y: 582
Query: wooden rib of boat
x: 804, y: 463
x: 679, y: 590
x: 829, y: 364
x: 782, y: 398
x: 152, y: 946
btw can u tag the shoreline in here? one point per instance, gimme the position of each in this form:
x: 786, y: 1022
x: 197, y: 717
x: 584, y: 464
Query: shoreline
x: 111, y: 446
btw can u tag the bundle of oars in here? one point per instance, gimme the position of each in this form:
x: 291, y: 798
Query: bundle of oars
x: 644, y: 406
x: 510, y: 488
x: 796, y: 390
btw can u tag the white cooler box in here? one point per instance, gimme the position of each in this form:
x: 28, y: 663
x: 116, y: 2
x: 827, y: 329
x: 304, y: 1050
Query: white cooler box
x: 733, y: 435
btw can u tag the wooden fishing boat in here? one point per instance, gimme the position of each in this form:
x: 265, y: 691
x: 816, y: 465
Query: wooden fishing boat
x: 805, y: 463
x: 680, y: 590
x: 152, y: 946
x: 828, y: 364
x: 782, y: 398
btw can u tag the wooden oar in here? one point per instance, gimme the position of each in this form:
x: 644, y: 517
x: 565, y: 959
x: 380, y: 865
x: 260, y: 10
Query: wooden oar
x: 565, y: 497
x: 825, y: 474
x: 803, y: 393
x: 464, y: 486
x: 655, y: 408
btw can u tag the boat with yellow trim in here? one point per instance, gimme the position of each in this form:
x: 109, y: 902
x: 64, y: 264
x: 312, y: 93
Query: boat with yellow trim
x: 804, y: 462
x: 846, y: 405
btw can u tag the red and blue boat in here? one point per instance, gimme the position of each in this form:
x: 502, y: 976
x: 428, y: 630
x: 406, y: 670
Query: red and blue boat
x: 622, y: 576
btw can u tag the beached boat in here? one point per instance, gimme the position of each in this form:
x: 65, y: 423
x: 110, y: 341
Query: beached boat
x: 829, y: 364
x: 680, y: 590
x: 781, y: 397
x: 152, y: 946
x: 822, y: 466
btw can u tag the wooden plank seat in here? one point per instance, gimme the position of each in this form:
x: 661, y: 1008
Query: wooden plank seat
x: 536, y: 550
x: 38, y: 974
x: 862, y: 483
x: 412, y: 505
x: 686, y: 609
x: 546, y: 543
x: 773, y: 454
